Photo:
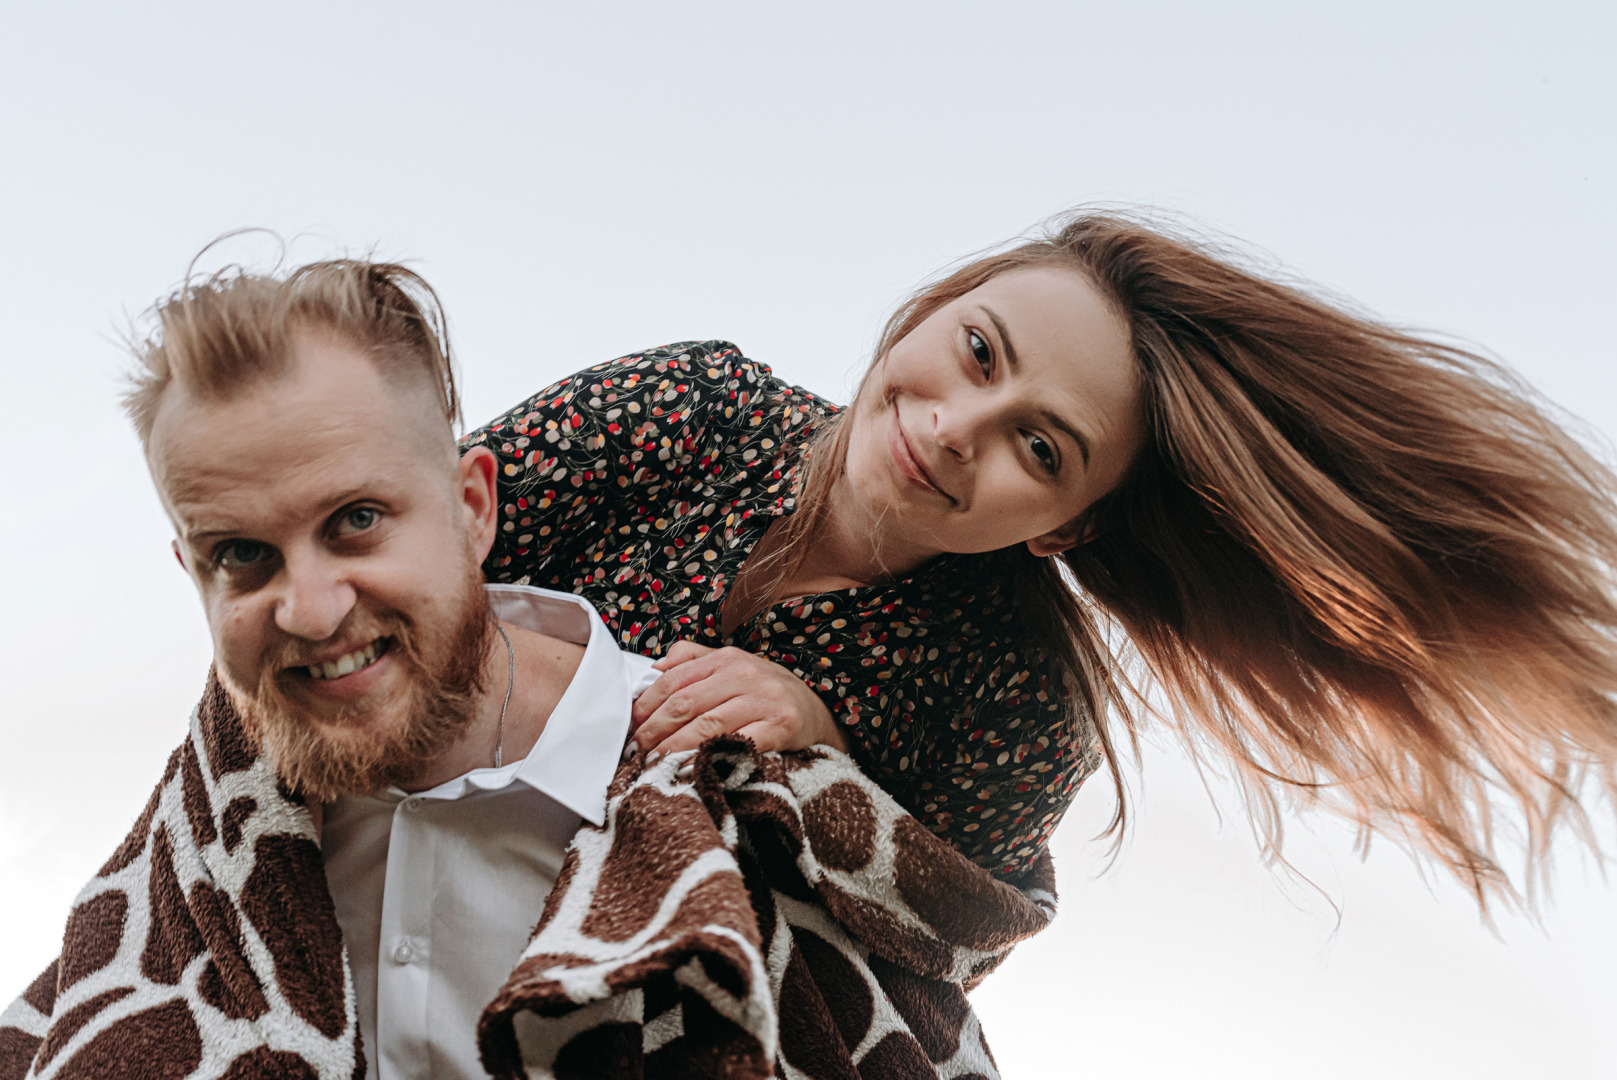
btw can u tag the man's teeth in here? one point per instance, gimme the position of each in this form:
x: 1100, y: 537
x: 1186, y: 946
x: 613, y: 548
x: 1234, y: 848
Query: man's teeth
x: 347, y: 665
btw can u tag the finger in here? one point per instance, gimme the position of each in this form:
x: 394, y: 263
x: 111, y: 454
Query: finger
x: 766, y: 735
x: 771, y: 734
x: 687, y: 703
x: 719, y: 720
x: 700, y: 664
x: 666, y: 686
x: 680, y: 652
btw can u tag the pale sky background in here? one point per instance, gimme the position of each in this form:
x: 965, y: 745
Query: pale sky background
x: 583, y: 180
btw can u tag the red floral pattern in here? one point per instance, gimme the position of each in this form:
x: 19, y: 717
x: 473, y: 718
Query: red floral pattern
x: 642, y: 485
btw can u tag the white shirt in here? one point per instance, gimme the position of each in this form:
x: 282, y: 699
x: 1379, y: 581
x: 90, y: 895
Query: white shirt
x: 438, y: 892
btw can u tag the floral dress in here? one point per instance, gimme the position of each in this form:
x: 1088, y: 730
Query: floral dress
x: 642, y: 485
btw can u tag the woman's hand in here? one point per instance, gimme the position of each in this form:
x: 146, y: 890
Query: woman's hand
x: 705, y: 692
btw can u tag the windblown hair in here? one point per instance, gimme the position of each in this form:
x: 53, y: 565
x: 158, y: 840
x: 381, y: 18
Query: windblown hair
x: 1367, y: 569
x: 226, y: 332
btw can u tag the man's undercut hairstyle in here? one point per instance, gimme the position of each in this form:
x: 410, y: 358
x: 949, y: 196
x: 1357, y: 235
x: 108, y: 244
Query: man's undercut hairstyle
x: 219, y: 336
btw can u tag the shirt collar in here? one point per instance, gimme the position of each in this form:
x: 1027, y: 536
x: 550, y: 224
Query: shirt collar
x: 582, y: 742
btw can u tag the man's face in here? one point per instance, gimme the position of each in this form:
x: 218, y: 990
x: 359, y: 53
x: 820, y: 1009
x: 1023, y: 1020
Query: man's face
x: 335, y: 541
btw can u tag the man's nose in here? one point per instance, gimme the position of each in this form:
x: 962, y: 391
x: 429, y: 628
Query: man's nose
x: 315, y: 597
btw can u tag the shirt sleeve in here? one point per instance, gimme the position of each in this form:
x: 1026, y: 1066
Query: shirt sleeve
x: 598, y: 449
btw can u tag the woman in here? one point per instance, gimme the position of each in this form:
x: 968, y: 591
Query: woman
x: 1365, y: 568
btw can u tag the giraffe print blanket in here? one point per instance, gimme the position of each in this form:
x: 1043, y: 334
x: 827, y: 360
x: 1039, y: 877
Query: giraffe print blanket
x: 738, y: 915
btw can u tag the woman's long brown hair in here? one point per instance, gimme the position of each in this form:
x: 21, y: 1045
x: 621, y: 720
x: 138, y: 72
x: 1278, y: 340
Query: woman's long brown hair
x: 1367, y: 569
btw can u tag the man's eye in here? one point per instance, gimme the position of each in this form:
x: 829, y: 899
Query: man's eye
x: 236, y: 554
x: 359, y: 519
x: 980, y: 352
x: 1043, y: 451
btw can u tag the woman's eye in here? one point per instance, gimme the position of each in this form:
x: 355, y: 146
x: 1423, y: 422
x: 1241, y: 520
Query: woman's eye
x: 1042, y: 450
x: 359, y: 519
x: 980, y: 352
x: 237, y: 554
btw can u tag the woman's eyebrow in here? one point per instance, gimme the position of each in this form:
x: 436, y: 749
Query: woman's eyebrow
x: 1072, y: 433
x: 1004, y: 337
x: 1057, y: 422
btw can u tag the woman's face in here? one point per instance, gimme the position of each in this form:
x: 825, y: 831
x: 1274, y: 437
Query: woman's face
x: 999, y: 419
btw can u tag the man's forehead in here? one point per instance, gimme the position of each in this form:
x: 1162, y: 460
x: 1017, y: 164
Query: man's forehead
x: 331, y: 423
x: 229, y: 492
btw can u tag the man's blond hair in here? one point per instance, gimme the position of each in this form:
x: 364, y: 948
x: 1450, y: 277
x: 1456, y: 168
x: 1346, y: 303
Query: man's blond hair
x: 234, y: 329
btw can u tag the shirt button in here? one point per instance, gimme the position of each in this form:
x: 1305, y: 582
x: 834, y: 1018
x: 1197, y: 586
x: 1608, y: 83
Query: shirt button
x: 405, y: 952
x: 412, y: 805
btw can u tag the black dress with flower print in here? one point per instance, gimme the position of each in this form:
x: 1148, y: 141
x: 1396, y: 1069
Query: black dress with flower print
x: 642, y: 485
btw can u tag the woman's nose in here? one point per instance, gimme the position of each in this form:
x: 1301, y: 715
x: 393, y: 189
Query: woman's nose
x: 956, y: 427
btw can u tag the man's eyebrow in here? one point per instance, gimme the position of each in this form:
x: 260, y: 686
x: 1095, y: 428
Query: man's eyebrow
x: 202, y: 536
x: 329, y: 505
x: 1057, y: 422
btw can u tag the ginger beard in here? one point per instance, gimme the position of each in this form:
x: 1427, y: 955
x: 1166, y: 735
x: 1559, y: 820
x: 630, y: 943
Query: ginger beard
x: 444, y: 668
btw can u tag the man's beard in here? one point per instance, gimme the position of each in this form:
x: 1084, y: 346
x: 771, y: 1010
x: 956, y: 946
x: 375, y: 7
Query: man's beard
x: 444, y: 670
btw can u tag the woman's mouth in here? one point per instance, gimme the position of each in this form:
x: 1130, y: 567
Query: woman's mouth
x: 909, y: 462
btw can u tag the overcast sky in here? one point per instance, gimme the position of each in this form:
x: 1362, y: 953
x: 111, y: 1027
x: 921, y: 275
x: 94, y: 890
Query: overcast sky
x: 583, y: 180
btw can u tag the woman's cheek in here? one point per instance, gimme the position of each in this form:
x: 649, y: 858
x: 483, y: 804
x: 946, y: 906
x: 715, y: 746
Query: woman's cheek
x: 859, y: 467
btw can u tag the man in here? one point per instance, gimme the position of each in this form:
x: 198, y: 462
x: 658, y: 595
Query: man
x: 340, y: 873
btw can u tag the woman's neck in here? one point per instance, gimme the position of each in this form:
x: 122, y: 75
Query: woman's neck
x: 847, y: 550
x: 862, y: 543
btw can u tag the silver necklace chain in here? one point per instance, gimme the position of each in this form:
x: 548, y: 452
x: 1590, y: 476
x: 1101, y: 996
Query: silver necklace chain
x: 510, y: 681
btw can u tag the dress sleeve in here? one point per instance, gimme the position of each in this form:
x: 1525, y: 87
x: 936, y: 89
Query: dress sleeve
x: 607, y: 442
x: 999, y: 758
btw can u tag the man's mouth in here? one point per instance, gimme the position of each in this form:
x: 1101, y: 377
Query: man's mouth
x: 358, y: 660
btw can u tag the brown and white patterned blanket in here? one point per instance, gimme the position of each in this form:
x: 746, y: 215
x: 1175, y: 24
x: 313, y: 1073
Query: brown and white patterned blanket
x: 739, y: 915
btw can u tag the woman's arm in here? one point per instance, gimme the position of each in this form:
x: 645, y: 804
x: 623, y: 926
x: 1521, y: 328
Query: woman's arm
x: 981, y: 746
x: 998, y: 795
x: 604, y: 448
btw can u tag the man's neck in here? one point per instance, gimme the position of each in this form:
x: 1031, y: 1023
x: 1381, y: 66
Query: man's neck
x: 544, y: 667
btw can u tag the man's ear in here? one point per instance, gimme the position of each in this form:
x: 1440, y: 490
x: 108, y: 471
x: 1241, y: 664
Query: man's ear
x: 1058, y: 540
x: 479, y: 494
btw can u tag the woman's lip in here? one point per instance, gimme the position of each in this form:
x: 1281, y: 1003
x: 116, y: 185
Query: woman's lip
x: 909, y: 463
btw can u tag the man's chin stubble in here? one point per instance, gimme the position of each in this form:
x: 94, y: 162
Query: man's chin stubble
x: 323, y: 760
